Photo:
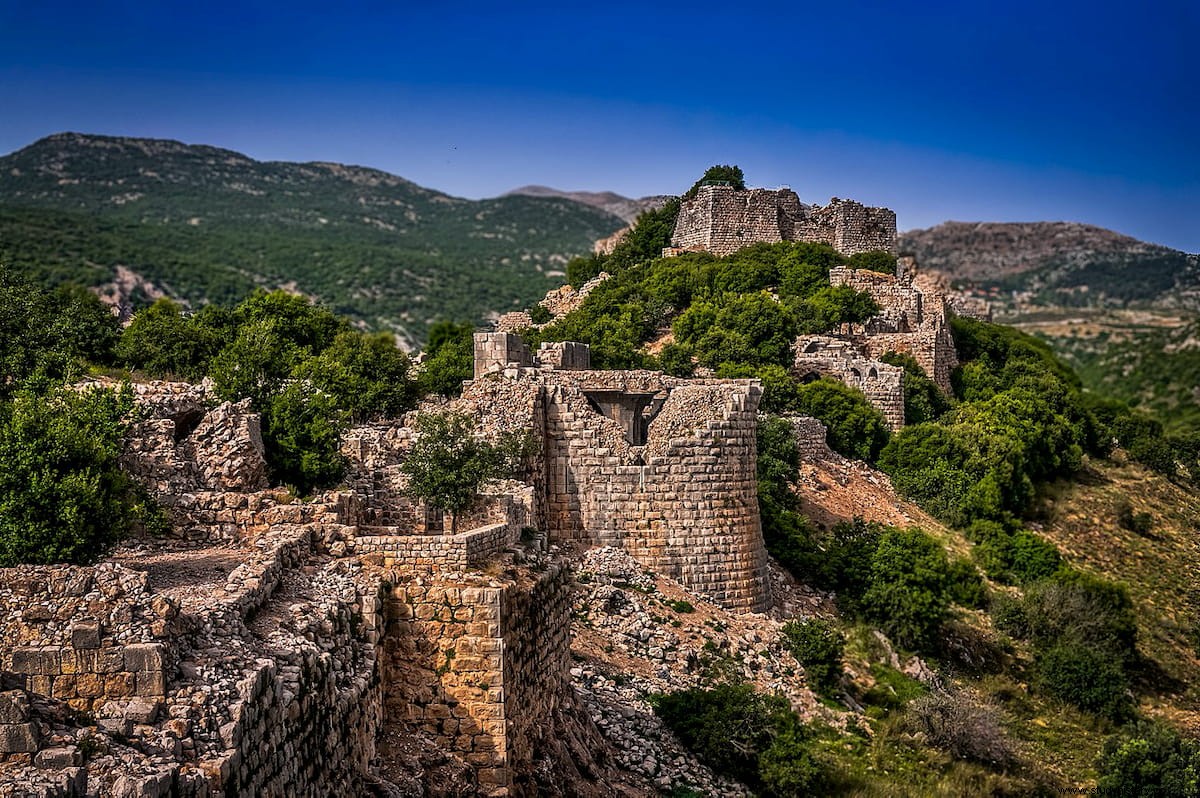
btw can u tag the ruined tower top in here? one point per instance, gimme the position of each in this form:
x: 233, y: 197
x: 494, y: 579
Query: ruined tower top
x: 722, y: 219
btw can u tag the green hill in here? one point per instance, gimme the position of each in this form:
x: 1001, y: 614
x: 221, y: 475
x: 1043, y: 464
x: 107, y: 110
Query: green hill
x: 207, y: 225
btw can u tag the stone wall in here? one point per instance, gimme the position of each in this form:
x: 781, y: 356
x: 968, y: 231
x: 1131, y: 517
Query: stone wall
x: 882, y: 384
x: 723, y: 219
x: 684, y: 503
x: 83, y: 635
x: 911, y: 321
x: 479, y: 665
x: 185, y: 441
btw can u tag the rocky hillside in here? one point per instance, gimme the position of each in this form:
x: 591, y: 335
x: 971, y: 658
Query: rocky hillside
x: 206, y: 224
x: 1039, y: 264
x: 624, y: 207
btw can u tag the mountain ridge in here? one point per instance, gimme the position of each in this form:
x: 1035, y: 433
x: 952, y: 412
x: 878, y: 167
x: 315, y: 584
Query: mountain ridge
x: 208, y: 224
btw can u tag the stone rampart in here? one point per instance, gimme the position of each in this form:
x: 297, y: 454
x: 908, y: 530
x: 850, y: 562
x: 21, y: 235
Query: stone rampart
x: 881, y: 383
x: 85, y: 635
x: 723, y: 219
x: 478, y: 664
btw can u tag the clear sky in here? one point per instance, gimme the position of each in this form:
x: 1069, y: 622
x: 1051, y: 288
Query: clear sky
x: 1014, y: 111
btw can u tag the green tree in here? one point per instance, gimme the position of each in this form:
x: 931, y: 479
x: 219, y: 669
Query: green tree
x: 449, y: 463
x: 365, y: 375
x: 449, y: 359
x: 923, y: 399
x: 818, y: 645
x: 1149, y: 760
x: 909, y: 587
x: 721, y: 173
x: 301, y: 434
x: 46, y: 337
x: 855, y: 428
x: 257, y: 363
x: 163, y: 342
x: 63, y: 497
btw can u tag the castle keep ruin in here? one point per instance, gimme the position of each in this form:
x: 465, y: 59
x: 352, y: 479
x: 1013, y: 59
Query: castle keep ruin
x: 722, y: 219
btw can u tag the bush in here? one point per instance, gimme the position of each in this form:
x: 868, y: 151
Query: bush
x: 963, y: 728
x: 908, y: 596
x: 876, y: 261
x: 365, y: 375
x: 727, y: 727
x: 162, y: 342
x: 923, y: 399
x: 46, y: 337
x: 818, y: 646
x: 448, y: 463
x: 540, y: 314
x: 1086, y: 677
x: 752, y: 738
x: 301, y: 434
x: 966, y: 586
x: 1149, y: 760
x: 63, y: 497
x: 1138, y: 523
x: 855, y: 428
x: 449, y: 359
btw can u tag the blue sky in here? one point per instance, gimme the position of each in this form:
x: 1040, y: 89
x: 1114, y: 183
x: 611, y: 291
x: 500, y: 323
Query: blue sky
x: 968, y: 111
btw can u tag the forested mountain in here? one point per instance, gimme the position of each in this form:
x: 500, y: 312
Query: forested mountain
x: 203, y: 224
x: 1020, y: 265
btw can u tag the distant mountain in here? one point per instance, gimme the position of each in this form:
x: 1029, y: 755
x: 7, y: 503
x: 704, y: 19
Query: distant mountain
x: 206, y: 224
x: 624, y: 207
x: 1056, y: 264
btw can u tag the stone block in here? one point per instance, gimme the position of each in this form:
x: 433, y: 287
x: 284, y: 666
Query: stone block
x: 18, y: 738
x: 143, y: 657
x: 59, y: 758
x: 31, y: 661
x: 14, y: 707
x: 140, y: 710
x: 85, y: 636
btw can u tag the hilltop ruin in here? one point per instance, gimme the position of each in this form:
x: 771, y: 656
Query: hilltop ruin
x: 277, y: 646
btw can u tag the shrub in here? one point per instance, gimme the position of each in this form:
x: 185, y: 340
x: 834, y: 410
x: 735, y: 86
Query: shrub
x: 788, y: 768
x: 448, y: 463
x: 163, y: 342
x: 301, y: 434
x: 727, y: 727
x: 540, y: 314
x: 365, y: 375
x: 962, y: 727
x: 817, y: 645
x: 752, y: 738
x: 1138, y: 523
x: 63, y: 497
x: 1149, y: 760
x: 855, y: 428
x: 966, y: 587
x: 449, y: 359
x: 923, y: 399
x: 876, y: 261
x: 1086, y: 677
x: 908, y: 596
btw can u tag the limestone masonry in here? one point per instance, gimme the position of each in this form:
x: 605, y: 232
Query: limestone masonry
x: 355, y: 643
x: 723, y: 219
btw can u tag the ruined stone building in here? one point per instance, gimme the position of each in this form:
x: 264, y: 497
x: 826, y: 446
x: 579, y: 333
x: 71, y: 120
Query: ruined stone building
x: 277, y: 647
x: 722, y: 219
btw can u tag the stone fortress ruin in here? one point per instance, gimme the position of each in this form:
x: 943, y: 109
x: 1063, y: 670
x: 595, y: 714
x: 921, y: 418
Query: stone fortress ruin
x: 722, y: 219
x: 272, y: 646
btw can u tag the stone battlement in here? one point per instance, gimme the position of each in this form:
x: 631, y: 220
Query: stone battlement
x: 723, y: 219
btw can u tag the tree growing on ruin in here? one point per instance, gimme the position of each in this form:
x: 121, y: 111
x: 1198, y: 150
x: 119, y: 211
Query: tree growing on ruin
x: 449, y: 463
